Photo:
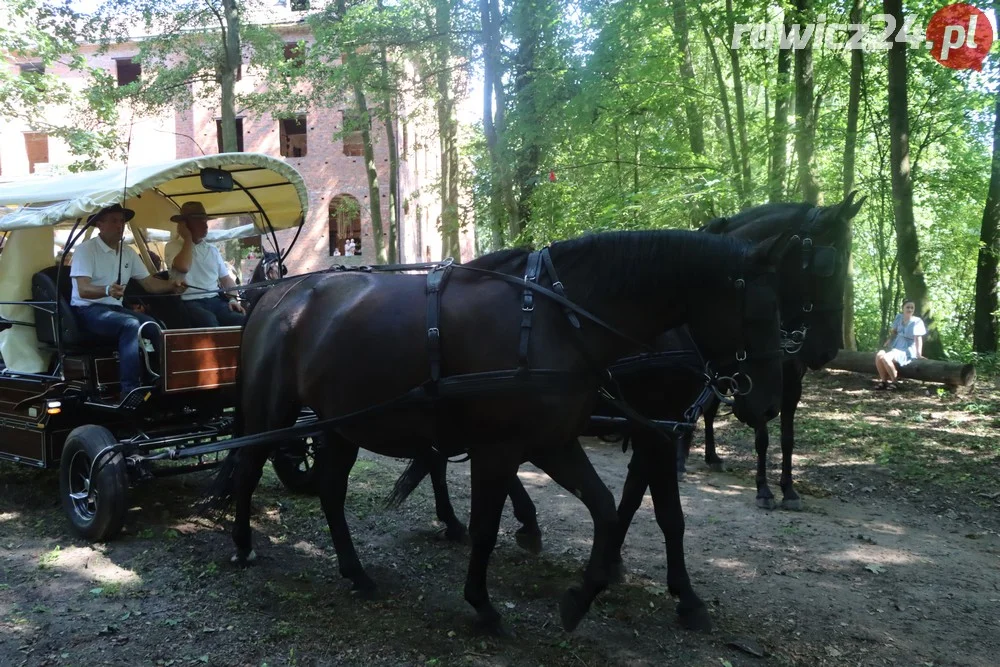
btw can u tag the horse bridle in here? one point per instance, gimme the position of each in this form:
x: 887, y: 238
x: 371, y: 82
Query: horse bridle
x: 817, y: 262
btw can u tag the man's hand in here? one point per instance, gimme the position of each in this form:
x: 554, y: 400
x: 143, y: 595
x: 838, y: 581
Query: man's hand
x: 115, y: 290
x: 178, y: 286
x: 184, y: 232
x: 236, y: 306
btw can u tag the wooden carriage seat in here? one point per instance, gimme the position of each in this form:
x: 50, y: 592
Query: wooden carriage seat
x: 74, y: 338
x: 43, y: 288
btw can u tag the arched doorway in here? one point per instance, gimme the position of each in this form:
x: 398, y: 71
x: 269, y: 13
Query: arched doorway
x: 345, y: 226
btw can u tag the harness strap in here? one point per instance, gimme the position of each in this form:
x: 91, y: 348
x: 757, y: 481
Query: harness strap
x: 531, y: 274
x: 435, y: 283
x: 557, y: 286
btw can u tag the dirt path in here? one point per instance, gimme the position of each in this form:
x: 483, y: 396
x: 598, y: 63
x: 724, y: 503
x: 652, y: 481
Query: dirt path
x: 880, y: 568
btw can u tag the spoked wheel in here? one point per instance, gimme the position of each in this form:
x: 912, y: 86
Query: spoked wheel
x: 295, y: 466
x: 93, y: 496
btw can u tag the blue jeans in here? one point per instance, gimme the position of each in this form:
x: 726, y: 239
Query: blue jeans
x: 212, y: 312
x: 123, y: 325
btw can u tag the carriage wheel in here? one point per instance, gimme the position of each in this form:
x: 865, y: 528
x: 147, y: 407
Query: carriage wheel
x: 295, y: 466
x: 94, y: 497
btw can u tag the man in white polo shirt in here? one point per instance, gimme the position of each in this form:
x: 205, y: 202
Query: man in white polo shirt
x: 200, y: 266
x: 98, y: 290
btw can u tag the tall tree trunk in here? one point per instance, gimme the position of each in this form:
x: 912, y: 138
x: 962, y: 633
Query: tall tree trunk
x: 696, y: 133
x: 741, y: 118
x: 907, y: 244
x: 374, y: 192
x: 389, y: 118
x: 727, y: 115
x: 850, y: 146
x: 447, y: 128
x: 232, y: 58
x: 700, y: 211
x: 528, y: 33
x: 985, y: 327
x: 361, y: 104
x: 805, y: 119
x: 779, y: 136
x: 503, y: 205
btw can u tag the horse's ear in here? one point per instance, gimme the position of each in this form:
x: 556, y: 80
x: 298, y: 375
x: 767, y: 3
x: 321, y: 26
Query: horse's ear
x: 852, y: 209
x: 772, y: 250
x: 716, y: 226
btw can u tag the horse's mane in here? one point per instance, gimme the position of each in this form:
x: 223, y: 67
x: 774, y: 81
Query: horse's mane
x: 500, y: 259
x: 660, y: 260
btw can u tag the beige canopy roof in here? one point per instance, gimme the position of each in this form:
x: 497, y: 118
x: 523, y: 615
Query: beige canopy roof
x: 157, y: 191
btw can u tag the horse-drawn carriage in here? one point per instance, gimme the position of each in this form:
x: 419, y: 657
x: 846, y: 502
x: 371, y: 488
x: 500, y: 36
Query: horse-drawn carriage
x: 501, y: 358
x: 59, y: 403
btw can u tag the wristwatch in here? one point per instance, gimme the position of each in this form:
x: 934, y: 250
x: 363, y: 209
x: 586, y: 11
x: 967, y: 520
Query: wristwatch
x: 107, y: 290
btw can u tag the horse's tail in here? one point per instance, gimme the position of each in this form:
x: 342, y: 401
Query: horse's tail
x: 408, y: 482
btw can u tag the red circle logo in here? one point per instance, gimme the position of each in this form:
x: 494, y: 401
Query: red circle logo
x: 960, y: 36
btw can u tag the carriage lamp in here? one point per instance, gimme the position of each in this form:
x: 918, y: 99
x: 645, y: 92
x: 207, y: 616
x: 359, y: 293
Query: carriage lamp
x: 53, y: 407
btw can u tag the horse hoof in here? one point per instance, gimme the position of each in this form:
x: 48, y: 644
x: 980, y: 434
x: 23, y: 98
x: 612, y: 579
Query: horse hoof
x: 766, y: 503
x: 529, y: 541
x: 717, y: 466
x: 243, y: 560
x: 793, y: 504
x: 458, y: 534
x: 491, y: 625
x: 572, y: 609
x: 695, y: 619
x: 365, y: 590
x: 616, y: 573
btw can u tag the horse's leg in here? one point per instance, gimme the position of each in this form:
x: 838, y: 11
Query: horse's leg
x: 529, y: 535
x: 334, y: 461
x: 790, y: 395
x: 490, y: 483
x: 570, y: 468
x: 259, y: 414
x: 249, y: 467
x: 636, y: 483
x: 656, y: 460
x: 765, y: 499
x: 455, y: 530
x: 712, y: 458
x: 683, y: 451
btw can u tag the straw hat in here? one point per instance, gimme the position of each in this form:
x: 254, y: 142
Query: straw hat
x: 191, y: 209
x: 127, y: 213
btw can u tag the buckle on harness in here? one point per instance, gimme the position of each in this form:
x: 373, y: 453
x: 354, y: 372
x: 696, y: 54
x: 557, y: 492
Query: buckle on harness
x: 434, y: 333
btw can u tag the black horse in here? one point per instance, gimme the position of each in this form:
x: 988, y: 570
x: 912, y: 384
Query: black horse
x: 811, y: 299
x: 340, y: 344
x: 812, y: 327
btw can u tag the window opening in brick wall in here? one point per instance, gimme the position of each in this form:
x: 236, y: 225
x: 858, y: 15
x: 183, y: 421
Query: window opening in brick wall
x: 296, y: 53
x: 354, y: 144
x: 293, y: 136
x: 239, y: 134
x: 128, y: 71
x: 33, y: 72
x: 345, y: 226
x: 36, y: 144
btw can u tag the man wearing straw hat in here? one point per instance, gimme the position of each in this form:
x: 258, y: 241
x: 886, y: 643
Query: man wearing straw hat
x: 201, y: 267
x: 99, y: 279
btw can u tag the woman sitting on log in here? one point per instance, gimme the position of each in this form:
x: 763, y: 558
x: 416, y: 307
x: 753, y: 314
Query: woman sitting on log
x: 906, y: 333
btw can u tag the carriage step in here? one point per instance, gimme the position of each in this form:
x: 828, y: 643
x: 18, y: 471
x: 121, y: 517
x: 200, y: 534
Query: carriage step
x: 132, y: 401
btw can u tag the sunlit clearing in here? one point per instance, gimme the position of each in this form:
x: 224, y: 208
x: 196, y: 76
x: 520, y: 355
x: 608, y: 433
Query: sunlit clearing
x: 869, y: 554
x: 735, y: 566
x: 89, y: 564
x: 719, y: 491
x: 9, y: 516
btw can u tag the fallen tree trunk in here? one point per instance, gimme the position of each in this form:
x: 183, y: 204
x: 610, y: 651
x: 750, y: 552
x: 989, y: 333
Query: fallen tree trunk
x: 950, y: 373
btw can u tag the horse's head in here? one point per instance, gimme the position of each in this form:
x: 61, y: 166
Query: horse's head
x: 738, y: 330
x: 271, y: 266
x: 812, y: 273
